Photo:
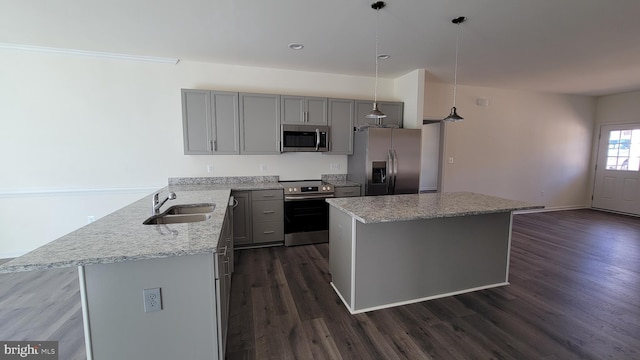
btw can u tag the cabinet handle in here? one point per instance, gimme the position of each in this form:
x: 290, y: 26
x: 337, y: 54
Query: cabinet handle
x: 270, y: 195
x: 215, y: 145
x: 268, y: 232
x: 211, y: 144
x: 235, y: 203
x: 268, y: 212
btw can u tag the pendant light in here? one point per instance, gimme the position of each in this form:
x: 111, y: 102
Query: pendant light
x: 376, y: 113
x: 453, y: 116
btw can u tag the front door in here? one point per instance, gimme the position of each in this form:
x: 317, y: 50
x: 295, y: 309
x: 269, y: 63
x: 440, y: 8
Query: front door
x: 617, y: 179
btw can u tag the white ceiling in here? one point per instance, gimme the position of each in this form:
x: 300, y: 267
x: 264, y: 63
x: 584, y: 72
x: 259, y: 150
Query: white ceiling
x: 589, y: 47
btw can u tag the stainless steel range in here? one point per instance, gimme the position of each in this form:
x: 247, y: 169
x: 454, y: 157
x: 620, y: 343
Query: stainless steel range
x: 306, y: 214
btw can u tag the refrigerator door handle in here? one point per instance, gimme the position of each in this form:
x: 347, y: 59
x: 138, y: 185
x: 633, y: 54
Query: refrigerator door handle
x: 395, y: 170
x: 389, y: 179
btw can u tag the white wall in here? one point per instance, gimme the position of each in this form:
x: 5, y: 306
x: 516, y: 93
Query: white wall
x: 81, y: 125
x: 618, y: 109
x: 409, y: 88
x: 525, y: 146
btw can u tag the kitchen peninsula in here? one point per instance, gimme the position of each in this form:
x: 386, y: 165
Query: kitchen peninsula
x: 393, y: 250
x: 189, y: 263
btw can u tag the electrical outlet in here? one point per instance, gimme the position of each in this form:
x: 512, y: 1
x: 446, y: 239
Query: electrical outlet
x: 152, y: 299
x: 90, y: 219
x: 334, y: 166
x: 451, y: 160
x: 263, y: 167
x: 210, y: 168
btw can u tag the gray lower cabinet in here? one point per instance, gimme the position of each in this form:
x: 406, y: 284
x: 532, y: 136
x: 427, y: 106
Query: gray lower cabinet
x: 303, y: 109
x: 267, y: 214
x: 224, y: 270
x: 258, y: 217
x: 347, y: 191
x: 259, y: 124
x: 393, y: 110
x: 341, y: 116
x: 210, y: 122
x: 242, y: 218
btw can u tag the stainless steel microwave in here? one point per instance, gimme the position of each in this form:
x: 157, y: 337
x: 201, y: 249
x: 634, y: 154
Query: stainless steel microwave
x: 304, y: 138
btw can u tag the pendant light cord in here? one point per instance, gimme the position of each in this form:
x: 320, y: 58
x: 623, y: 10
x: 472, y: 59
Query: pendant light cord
x: 375, y: 88
x: 455, y: 71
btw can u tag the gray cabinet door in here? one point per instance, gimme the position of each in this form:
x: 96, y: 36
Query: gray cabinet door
x: 341, y: 113
x: 259, y: 124
x: 299, y: 109
x: 225, y: 122
x: 267, y: 216
x: 196, y: 122
x: 293, y: 111
x: 316, y: 110
x: 393, y: 110
x: 210, y: 122
x: 242, y: 218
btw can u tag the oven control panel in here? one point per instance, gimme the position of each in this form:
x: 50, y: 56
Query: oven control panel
x: 306, y: 188
x: 309, y: 189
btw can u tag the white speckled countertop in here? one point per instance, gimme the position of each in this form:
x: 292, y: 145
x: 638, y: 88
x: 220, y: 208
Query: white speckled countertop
x: 121, y: 236
x: 391, y: 208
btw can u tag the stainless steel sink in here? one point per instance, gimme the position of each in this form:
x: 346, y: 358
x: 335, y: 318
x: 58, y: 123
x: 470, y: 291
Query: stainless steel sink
x: 190, y: 209
x: 176, y: 219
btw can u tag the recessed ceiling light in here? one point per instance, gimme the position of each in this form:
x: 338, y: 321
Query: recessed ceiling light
x: 296, y: 46
x: 383, y: 56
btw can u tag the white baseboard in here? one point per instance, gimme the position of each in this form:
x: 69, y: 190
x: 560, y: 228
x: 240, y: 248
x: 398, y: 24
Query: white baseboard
x: 552, y: 208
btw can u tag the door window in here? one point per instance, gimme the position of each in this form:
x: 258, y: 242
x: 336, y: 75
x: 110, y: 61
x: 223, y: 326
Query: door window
x: 624, y: 150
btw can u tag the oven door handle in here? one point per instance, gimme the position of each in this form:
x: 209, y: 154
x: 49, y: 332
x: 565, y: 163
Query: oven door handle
x: 307, y: 197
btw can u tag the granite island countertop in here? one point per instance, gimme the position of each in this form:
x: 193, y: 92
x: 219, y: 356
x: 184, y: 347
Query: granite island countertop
x: 392, y: 208
x: 121, y: 236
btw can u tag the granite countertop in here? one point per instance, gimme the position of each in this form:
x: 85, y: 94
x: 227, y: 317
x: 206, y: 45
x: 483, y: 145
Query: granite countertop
x: 343, y: 183
x: 391, y: 208
x: 121, y: 236
x: 338, y: 180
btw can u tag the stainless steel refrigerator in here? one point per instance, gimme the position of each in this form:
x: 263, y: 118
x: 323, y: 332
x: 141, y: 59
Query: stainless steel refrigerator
x: 386, y: 160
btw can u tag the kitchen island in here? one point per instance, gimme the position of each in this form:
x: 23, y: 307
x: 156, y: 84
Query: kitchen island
x: 393, y: 250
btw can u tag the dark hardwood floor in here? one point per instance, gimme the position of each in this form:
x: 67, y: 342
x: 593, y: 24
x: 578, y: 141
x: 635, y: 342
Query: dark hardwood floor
x: 43, y: 305
x: 574, y: 294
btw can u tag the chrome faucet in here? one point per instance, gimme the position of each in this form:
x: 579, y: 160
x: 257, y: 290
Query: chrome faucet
x: 156, y: 204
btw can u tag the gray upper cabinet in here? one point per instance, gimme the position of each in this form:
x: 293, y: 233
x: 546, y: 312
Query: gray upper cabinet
x: 393, y: 110
x: 196, y: 122
x: 300, y: 109
x: 210, y: 122
x: 259, y: 124
x: 341, y: 113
